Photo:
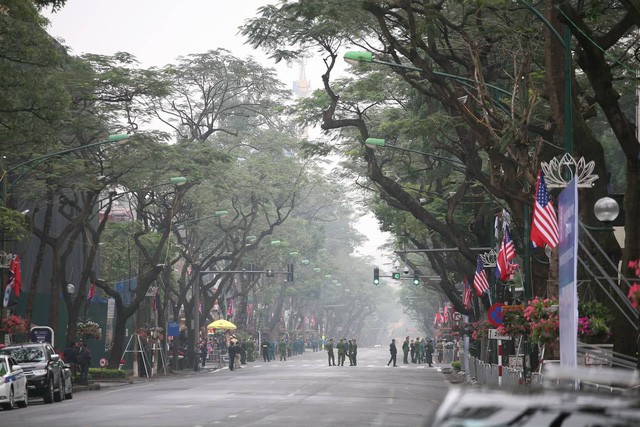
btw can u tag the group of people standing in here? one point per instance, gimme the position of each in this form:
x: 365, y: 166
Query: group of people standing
x: 345, y: 348
x: 78, y: 355
x: 421, y: 351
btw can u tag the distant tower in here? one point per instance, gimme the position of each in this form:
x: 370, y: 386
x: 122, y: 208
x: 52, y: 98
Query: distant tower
x: 301, y: 89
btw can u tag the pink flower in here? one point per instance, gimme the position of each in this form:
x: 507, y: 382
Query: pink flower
x: 634, y: 295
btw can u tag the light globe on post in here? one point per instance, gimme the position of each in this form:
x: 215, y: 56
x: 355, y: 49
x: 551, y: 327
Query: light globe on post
x: 606, y: 210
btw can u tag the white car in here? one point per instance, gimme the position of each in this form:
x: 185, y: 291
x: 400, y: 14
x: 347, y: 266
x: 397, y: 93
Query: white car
x: 13, y: 384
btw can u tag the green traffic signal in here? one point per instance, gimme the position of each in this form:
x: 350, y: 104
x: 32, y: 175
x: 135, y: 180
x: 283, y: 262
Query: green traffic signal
x: 376, y: 276
x: 396, y: 276
x: 416, y: 280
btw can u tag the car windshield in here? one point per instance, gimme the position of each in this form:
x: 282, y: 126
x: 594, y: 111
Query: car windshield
x: 3, y: 367
x: 25, y: 354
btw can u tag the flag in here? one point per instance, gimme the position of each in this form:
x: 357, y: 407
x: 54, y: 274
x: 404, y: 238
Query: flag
x: 544, y: 229
x: 466, y: 297
x: 154, y: 304
x: 446, y: 313
x: 480, y: 282
x: 15, y: 277
x: 504, y: 265
x: 92, y: 292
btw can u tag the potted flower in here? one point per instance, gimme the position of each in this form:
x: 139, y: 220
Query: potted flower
x: 514, y: 322
x: 480, y: 329
x: 14, y: 325
x: 593, y: 321
x: 89, y: 330
x: 542, y: 315
x: 634, y: 290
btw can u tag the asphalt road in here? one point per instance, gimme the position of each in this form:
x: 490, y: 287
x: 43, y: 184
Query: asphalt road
x: 299, y: 392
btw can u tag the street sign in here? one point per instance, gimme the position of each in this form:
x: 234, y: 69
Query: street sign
x: 495, y: 314
x: 493, y: 335
x: 103, y: 362
x: 457, y: 316
x: 7, y: 296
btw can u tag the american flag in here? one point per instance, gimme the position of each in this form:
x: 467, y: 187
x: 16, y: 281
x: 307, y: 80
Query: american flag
x: 505, y: 268
x: 480, y: 282
x: 446, y: 313
x: 544, y: 229
x: 466, y: 296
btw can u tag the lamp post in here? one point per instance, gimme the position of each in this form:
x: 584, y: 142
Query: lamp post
x: 118, y: 138
x: 196, y: 307
x: 378, y: 142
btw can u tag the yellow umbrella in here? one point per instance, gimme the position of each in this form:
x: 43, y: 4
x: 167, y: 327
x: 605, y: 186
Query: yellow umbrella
x: 221, y: 324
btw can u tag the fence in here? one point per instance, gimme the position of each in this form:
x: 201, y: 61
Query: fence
x: 487, y: 374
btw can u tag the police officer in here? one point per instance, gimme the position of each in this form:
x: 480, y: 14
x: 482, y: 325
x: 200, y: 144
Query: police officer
x: 341, y: 352
x: 282, y: 349
x: 265, y: 350
x: 332, y: 357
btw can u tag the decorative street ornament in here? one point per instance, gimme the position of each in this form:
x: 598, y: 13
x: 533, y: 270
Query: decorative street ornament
x: 489, y: 258
x: 559, y: 172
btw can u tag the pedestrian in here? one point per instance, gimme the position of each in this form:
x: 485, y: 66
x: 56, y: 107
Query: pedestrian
x: 417, y: 344
x: 332, y: 357
x: 423, y: 354
x: 204, y: 351
x: 341, y: 352
x: 84, y: 361
x: 350, y: 352
x: 394, y: 351
x: 243, y: 352
x: 238, y: 351
x: 354, y: 352
x: 71, y: 356
x: 405, y: 351
x: 231, y: 351
x: 429, y: 352
x: 282, y: 349
x: 412, y: 351
x: 265, y: 350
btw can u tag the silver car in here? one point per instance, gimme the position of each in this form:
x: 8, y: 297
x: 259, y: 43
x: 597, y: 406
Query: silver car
x: 13, y: 384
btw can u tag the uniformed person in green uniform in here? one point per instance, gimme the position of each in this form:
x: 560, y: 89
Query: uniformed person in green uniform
x: 282, y: 349
x: 332, y: 357
x: 342, y: 351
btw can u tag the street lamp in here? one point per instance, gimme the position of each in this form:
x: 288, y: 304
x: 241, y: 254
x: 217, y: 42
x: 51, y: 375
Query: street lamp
x: 378, y: 142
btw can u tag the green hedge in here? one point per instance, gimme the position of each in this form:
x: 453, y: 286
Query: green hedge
x: 107, y: 374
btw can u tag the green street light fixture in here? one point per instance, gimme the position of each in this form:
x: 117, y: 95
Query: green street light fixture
x: 119, y: 138
x: 177, y: 180
x: 275, y: 242
x: 294, y: 253
x: 305, y: 262
x: 378, y: 142
x: 317, y: 269
x: 355, y: 58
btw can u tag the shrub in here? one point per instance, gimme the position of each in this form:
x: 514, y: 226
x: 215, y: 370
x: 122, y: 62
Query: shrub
x: 456, y: 365
x: 107, y: 374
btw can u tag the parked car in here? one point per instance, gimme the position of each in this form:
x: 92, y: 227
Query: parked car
x: 44, y: 369
x: 13, y: 384
x: 559, y: 403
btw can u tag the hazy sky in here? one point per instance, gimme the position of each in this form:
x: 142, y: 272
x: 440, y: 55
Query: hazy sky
x: 156, y: 32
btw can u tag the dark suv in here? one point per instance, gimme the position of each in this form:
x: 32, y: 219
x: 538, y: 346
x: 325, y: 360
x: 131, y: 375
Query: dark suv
x: 43, y: 367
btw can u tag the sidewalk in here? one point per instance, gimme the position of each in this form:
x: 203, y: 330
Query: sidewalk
x: 102, y: 384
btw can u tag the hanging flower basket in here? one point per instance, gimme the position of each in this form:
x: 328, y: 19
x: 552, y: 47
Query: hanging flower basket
x: 14, y: 325
x: 543, y: 319
x: 634, y: 290
x: 89, y: 330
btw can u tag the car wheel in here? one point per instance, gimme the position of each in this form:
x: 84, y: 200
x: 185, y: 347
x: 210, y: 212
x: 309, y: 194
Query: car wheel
x: 58, y: 396
x: 47, y: 396
x: 69, y: 393
x: 25, y: 399
x: 10, y: 403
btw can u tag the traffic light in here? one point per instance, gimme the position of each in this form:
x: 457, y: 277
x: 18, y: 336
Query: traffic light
x: 396, y: 275
x: 269, y: 273
x: 376, y: 276
x: 289, y: 273
x: 416, y: 279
